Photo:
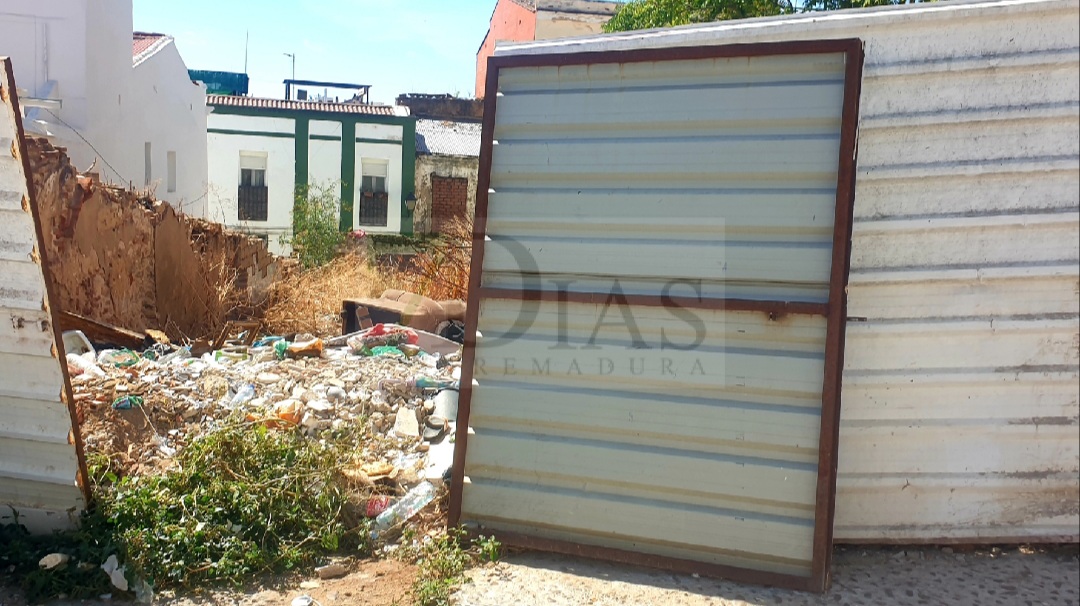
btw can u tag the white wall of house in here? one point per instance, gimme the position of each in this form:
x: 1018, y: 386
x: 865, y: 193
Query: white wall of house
x: 161, y: 87
x: 231, y: 134
x: 31, y: 33
x: 324, y: 156
x: 379, y: 152
x: 78, y: 54
x: 223, y: 152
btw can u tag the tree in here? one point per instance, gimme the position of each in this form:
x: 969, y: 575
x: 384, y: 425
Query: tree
x: 645, y: 14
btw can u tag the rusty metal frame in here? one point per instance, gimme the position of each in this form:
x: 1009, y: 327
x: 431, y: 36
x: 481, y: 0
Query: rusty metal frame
x: 835, y: 310
x: 19, y: 150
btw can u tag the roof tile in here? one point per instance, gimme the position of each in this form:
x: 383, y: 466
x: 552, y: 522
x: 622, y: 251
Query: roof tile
x: 311, y: 106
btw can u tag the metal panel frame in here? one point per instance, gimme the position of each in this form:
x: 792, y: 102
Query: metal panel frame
x: 9, y: 96
x: 835, y: 310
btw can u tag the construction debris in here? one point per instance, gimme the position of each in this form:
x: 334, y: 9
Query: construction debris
x: 141, y: 407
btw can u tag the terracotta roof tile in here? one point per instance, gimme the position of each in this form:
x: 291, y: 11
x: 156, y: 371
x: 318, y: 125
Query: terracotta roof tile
x: 310, y: 106
x: 144, y: 44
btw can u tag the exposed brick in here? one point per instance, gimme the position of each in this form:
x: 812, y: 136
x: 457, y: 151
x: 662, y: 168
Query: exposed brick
x: 449, y: 199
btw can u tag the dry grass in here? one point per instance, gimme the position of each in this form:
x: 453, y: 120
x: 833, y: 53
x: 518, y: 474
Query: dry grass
x: 310, y: 300
x: 441, y: 270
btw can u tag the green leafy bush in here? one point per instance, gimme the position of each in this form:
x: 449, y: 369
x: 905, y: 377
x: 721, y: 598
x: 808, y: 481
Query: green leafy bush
x: 317, y: 236
x: 244, y: 500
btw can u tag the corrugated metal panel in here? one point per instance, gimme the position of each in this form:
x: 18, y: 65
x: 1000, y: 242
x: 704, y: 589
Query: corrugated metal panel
x: 960, y: 391
x: 38, y: 459
x: 606, y: 417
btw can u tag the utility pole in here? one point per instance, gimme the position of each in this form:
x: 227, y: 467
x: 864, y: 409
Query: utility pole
x: 288, y: 93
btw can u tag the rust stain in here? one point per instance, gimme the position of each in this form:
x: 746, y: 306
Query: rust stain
x: 1035, y: 475
x: 1046, y: 421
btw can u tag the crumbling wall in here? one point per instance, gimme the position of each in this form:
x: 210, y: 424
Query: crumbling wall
x: 430, y: 167
x: 121, y: 257
x: 442, y: 107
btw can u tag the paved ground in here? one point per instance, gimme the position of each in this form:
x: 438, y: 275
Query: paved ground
x: 861, y: 577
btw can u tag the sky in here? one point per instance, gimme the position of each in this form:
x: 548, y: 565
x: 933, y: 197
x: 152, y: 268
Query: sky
x: 396, y: 46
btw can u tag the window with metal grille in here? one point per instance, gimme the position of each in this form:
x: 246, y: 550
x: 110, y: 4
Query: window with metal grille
x: 252, y: 196
x: 374, y: 198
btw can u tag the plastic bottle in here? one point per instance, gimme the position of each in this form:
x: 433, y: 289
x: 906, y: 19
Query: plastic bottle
x: 422, y: 382
x: 243, y: 395
x: 408, y: 506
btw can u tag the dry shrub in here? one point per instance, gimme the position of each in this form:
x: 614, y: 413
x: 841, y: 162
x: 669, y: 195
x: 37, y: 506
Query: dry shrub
x: 441, y: 269
x: 310, y: 300
x: 223, y: 299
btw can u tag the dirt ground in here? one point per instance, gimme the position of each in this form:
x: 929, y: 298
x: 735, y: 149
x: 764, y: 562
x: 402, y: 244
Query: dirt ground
x: 871, y: 576
x: 369, y: 583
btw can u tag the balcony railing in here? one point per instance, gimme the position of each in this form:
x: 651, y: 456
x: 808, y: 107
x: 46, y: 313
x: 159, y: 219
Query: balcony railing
x: 252, y: 203
x: 374, y: 208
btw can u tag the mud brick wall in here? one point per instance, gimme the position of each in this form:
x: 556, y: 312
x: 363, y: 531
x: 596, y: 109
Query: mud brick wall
x: 121, y: 257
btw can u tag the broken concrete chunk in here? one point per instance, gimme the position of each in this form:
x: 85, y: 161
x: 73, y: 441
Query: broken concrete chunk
x: 54, y: 560
x: 405, y: 424
x: 331, y: 571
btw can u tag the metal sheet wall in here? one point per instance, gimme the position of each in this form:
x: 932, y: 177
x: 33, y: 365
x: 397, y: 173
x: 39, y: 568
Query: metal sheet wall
x: 960, y: 392
x: 653, y: 307
x: 38, y: 456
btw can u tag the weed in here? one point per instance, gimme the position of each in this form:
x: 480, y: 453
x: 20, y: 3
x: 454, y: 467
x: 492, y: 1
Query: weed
x: 242, y: 500
x: 488, y: 548
x: 88, y: 547
x: 442, y: 561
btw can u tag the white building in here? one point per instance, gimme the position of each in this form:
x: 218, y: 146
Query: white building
x: 109, y: 95
x: 262, y: 150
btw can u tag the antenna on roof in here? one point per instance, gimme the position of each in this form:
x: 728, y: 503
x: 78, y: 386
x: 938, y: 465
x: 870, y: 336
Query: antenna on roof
x: 247, y: 37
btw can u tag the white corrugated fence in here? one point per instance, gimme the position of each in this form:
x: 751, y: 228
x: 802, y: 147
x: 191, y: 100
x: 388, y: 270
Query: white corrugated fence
x: 960, y: 405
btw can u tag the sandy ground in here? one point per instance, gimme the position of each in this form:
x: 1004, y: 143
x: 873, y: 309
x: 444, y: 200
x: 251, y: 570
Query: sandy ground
x: 861, y: 577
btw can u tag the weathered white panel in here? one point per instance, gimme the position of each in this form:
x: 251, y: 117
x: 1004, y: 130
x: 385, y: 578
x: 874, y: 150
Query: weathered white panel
x: 961, y: 398
x: 38, y: 463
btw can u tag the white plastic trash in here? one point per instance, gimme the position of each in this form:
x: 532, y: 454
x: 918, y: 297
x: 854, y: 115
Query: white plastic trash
x: 75, y: 342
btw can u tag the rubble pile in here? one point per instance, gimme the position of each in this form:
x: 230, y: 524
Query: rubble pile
x: 394, y: 386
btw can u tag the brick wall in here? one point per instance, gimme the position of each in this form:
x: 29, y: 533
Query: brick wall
x: 449, y: 199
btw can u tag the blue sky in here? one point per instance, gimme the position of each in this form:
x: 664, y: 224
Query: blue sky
x: 396, y: 46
